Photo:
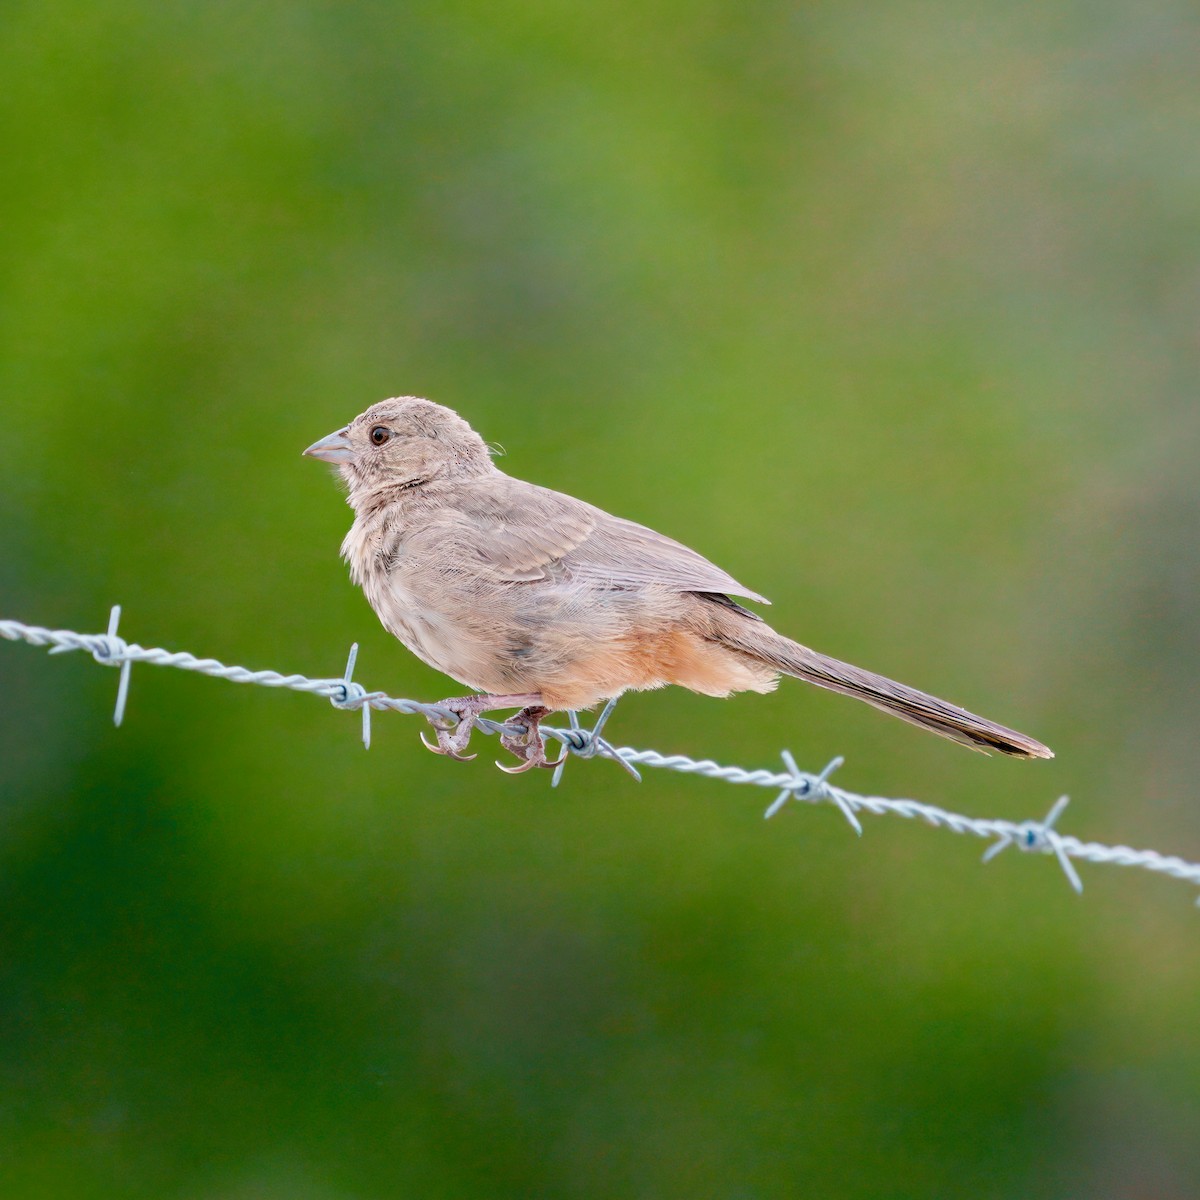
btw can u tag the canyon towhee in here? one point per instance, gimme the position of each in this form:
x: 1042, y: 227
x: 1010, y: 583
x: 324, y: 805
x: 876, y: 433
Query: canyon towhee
x: 543, y: 602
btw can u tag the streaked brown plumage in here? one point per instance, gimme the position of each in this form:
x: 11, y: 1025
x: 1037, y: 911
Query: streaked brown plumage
x: 542, y: 601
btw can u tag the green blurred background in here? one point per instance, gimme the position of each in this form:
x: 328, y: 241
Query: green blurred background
x: 891, y: 309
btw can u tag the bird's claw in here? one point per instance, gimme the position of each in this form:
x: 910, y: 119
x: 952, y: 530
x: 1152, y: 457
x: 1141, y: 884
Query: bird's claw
x: 527, y: 746
x: 451, y: 739
x: 529, y: 762
x: 532, y: 759
x: 443, y: 747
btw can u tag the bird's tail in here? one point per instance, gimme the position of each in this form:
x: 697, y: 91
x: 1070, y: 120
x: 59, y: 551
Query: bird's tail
x: 762, y: 643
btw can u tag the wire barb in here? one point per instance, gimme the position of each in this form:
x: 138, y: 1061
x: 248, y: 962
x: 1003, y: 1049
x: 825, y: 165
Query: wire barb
x: 1036, y: 837
x: 814, y: 789
x: 1040, y: 837
x: 354, y: 695
x: 113, y: 652
x: 587, y: 743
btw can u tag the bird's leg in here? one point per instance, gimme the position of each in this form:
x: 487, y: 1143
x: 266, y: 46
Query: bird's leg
x: 452, y: 739
x: 528, y: 745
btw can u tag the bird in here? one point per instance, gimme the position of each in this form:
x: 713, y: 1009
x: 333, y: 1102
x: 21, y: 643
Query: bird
x: 541, y: 602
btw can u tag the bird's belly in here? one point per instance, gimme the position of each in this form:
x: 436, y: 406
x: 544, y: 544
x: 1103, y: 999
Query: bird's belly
x: 574, y: 648
x: 443, y: 635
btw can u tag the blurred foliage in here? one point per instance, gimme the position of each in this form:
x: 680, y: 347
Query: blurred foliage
x: 891, y: 309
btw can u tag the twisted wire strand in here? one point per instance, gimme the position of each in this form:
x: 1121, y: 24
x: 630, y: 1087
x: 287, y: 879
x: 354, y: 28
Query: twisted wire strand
x: 792, y: 784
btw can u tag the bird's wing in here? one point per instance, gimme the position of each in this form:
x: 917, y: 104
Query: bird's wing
x: 523, y: 533
x: 624, y: 553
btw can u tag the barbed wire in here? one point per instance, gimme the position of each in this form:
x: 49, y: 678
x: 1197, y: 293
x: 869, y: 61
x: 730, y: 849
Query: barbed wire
x: 793, y: 784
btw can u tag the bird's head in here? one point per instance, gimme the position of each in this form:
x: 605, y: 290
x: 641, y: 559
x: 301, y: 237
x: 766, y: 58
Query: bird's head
x: 403, y: 442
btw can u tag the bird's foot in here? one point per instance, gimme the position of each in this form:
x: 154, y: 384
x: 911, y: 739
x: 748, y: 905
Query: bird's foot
x: 452, y: 739
x: 527, y: 746
x: 453, y: 736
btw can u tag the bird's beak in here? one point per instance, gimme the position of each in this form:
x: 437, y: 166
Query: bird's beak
x: 333, y: 449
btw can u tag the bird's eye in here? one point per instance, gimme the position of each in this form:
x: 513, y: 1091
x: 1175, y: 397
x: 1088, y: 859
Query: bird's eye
x: 380, y: 434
